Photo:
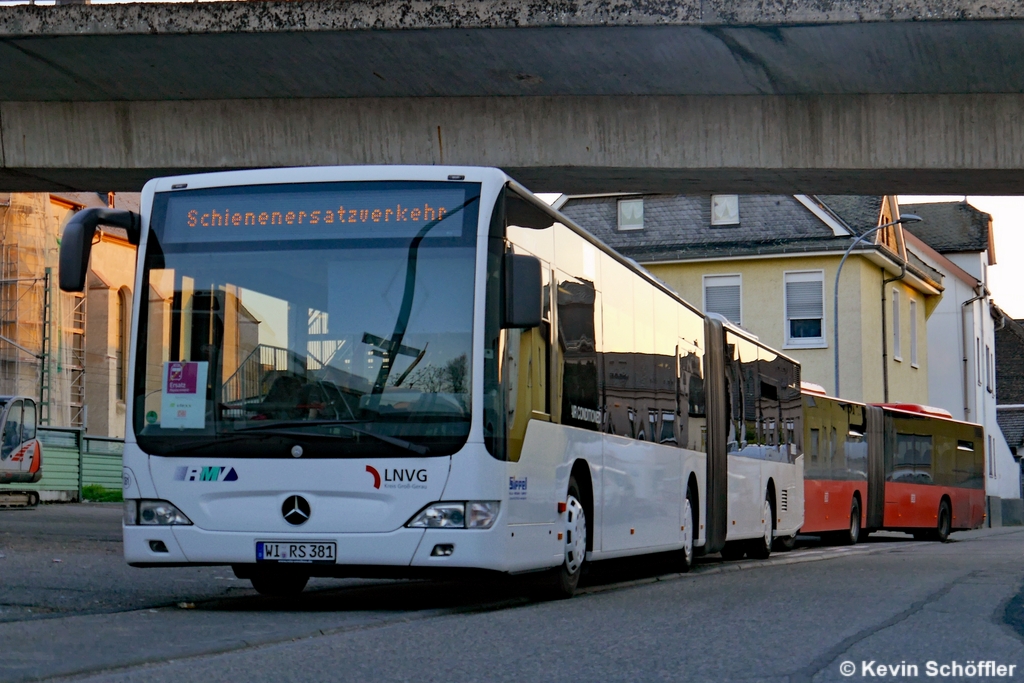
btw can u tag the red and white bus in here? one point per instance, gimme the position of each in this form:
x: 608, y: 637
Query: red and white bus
x: 899, y: 466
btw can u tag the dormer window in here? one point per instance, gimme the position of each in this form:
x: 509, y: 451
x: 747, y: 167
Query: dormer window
x: 631, y: 214
x: 725, y: 209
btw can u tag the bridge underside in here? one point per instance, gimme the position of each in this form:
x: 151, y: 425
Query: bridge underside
x: 823, y: 144
x: 700, y: 95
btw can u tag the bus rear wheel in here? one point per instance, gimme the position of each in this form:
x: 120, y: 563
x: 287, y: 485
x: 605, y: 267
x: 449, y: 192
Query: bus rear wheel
x: 686, y: 554
x: 279, y: 584
x: 761, y: 548
x: 851, y: 535
x: 734, y: 550
x: 945, y: 523
x: 785, y: 543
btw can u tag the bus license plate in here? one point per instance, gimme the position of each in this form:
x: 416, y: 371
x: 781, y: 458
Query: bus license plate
x: 305, y: 552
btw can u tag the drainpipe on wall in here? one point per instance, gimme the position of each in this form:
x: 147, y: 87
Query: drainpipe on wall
x: 885, y: 338
x: 963, y: 329
x: 901, y: 249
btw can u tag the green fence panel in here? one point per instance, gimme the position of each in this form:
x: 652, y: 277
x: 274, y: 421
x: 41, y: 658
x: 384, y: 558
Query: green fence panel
x: 60, y: 472
x: 101, y: 462
x: 67, y: 449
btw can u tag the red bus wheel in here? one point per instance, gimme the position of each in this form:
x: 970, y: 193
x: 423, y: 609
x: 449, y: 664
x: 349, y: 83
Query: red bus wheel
x: 852, y: 535
x: 942, y: 529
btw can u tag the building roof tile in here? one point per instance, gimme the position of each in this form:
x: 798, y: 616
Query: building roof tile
x: 1010, y: 363
x: 678, y: 227
x: 950, y: 227
x: 1011, y: 423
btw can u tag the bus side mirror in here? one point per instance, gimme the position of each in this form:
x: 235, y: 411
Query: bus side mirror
x: 76, y: 243
x: 523, y: 307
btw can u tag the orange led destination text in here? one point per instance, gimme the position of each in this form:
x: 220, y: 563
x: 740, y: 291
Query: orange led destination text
x: 398, y: 214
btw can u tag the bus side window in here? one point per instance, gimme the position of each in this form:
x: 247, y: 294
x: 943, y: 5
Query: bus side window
x: 577, y: 301
x: 913, y: 463
x: 813, y: 447
x: 923, y: 459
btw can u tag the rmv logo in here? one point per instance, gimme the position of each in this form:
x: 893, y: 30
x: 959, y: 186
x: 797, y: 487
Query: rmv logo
x: 205, y: 474
x: 394, y: 475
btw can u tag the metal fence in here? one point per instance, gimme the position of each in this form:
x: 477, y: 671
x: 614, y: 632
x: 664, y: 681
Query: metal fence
x: 72, y: 459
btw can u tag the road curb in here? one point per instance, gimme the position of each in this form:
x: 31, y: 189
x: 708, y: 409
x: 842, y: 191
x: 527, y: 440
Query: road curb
x: 812, y: 556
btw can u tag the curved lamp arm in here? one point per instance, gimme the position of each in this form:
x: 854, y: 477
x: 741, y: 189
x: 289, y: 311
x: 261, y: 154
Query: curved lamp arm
x: 908, y: 218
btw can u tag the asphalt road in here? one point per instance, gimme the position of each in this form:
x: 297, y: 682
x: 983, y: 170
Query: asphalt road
x: 70, y: 607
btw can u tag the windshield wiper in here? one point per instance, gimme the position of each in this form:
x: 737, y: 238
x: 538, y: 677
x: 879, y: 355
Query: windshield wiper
x: 206, y: 443
x: 344, y: 424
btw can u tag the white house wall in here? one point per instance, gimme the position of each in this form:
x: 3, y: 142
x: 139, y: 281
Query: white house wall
x: 946, y: 367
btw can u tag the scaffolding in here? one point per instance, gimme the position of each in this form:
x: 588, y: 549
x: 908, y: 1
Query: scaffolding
x: 34, y: 319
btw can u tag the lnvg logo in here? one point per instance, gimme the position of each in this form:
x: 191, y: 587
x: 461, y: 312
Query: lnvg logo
x: 376, y: 475
x: 205, y: 474
x: 396, y: 478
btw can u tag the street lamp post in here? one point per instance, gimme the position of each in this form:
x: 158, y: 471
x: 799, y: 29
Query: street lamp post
x: 908, y: 218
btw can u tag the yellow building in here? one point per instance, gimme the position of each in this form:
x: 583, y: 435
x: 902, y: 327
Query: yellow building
x: 768, y: 264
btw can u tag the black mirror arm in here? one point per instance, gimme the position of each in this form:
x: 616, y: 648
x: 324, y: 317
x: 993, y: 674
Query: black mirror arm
x: 76, y: 242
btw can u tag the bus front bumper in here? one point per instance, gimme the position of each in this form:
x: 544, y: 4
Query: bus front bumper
x: 152, y: 546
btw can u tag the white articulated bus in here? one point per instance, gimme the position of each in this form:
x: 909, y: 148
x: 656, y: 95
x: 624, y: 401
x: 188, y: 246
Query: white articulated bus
x: 405, y: 371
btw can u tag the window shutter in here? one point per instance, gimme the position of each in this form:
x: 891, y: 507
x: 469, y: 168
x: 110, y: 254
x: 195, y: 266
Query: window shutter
x: 723, y: 300
x: 803, y: 300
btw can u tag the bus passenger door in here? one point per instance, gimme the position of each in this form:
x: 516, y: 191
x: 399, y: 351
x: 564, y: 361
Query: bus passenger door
x: 528, y: 354
x: 876, y: 467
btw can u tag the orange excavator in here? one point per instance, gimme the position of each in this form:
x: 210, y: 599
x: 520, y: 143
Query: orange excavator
x: 21, y: 455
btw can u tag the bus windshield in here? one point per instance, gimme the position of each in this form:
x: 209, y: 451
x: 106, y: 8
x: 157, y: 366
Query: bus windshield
x: 307, y: 320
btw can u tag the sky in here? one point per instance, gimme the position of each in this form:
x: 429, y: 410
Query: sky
x: 1006, y: 278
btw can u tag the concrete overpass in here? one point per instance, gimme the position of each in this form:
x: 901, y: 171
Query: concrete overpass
x: 696, y: 95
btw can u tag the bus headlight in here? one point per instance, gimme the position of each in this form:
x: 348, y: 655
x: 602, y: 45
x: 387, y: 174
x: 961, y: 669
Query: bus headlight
x: 481, y: 514
x: 473, y: 514
x: 155, y: 513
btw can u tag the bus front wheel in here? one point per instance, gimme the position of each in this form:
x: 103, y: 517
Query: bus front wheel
x: 278, y: 584
x: 561, y: 583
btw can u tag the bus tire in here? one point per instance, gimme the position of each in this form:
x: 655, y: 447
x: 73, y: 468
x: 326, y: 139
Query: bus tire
x: 279, y: 584
x: 944, y: 525
x: 686, y: 554
x: 734, y: 550
x: 784, y: 544
x: 852, y: 534
x: 560, y: 583
x: 761, y: 548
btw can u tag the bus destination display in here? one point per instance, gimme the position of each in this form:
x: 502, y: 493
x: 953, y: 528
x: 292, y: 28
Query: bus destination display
x: 335, y: 212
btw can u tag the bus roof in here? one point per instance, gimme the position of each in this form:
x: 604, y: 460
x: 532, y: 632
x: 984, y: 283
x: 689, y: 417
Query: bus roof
x: 918, y: 408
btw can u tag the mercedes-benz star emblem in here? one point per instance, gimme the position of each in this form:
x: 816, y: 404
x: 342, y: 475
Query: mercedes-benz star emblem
x: 295, y: 510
